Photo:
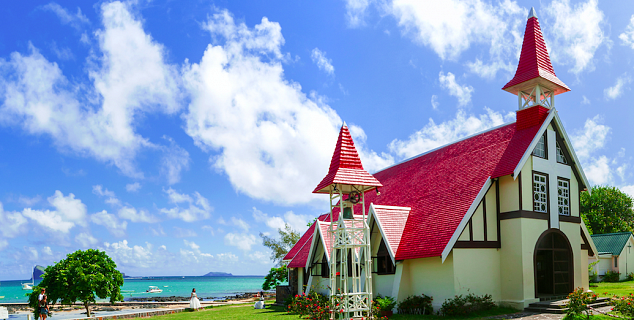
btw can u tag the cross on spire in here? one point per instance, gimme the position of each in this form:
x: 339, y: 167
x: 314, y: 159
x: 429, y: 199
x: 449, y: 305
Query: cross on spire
x: 535, y: 81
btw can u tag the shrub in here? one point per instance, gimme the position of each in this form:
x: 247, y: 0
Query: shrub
x: 623, y: 305
x: 386, y: 303
x: 316, y: 306
x: 579, y: 301
x: 593, y: 276
x: 416, y: 305
x: 611, y: 276
x: 630, y: 276
x: 463, y: 305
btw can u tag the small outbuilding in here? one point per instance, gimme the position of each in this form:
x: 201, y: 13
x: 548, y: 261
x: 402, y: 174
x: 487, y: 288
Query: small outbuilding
x: 615, y: 253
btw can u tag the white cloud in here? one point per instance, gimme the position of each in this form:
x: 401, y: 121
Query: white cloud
x: 3, y: 244
x: 111, y: 197
x: 62, y: 53
x: 296, y: 221
x: 111, y: 223
x: 356, y: 11
x: 585, y: 100
x: 129, y: 77
x: 240, y: 223
x: 617, y: 89
x: 191, y: 245
x: 76, y: 20
x: 13, y: 223
x: 134, y: 215
x: 434, y: 102
x: 175, y: 159
x: 184, y: 233
x: 133, y: 187
x: 629, y: 190
x: 488, y: 71
x: 591, y: 138
x: 47, y: 251
x: 576, y: 33
x: 135, y: 256
x: 69, y: 212
x: 209, y: 229
x: 324, y: 64
x: 371, y: 160
x: 29, y: 202
x: 242, y: 241
x: 435, y: 135
x: 85, y: 240
x: 628, y: 35
x: 158, y: 231
x: 462, y: 93
x: 198, y: 207
x: 598, y: 170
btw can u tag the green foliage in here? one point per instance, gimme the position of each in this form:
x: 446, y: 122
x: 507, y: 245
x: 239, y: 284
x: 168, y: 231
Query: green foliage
x: 279, y: 248
x: 314, y: 306
x: 629, y: 276
x: 386, y: 303
x: 275, y: 277
x: 607, y: 210
x: 578, y: 303
x: 623, y: 305
x: 416, y: 305
x: 592, y: 274
x: 463, y: 305
x: 82, y: 276
x: 611, y: 276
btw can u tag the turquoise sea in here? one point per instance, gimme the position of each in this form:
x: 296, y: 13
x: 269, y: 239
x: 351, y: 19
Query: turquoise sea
x: 171, y: 286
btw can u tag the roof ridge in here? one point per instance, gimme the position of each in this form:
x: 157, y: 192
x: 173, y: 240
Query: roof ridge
x: 447, y: 145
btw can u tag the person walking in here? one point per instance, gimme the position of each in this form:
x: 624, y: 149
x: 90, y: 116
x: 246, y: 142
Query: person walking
x: 43, y: 304
x: 194, y: 303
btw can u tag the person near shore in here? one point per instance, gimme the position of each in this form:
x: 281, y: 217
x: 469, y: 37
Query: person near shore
x: 194, y: 303
x: 43, y: 305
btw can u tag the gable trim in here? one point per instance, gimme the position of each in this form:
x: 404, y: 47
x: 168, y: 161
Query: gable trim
x: 536, y: 138
x: 466, y: 218
x: 313, y: 244
x: 377, y: 222
x: 588, y: 239
x: 575, y: 165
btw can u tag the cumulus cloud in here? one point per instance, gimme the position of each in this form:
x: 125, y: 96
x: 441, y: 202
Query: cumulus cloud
x: 188, y: 208
x: 68, y: 213
x: 627, y: 37
x: 13, y: 223
x: 184, y: 233
x: 133, y: 187
x: 111, y: 198
x: 135, y: 256
x: 242, y: 241
x: 576, y: 33
x: 175, y: 159
x: 591, y: 138
x: 111, y: 223
x: 324, y: 64
x: 77, y: 20
x: 129, y: 77
x: 629, y: 189
x: 134, y: 215
x: 434, y: 102
x: 617, y: 89
x: 85, y: 240
x: 296, y: 221
x: 435, y: 135
x: 3, y: 244
x: 356, y: 11
x: 462, y: 93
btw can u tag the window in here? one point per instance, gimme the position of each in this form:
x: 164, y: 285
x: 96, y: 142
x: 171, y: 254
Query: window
x: 540, y: 193
x: 540, y: 148
x: 382, y: 263
x: 561, y: 158
x: 616, y: 262
x: 563, y: 197
x: 320, y: 269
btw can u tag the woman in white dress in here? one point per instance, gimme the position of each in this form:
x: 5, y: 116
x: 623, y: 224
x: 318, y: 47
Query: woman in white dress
x: 194, y: 303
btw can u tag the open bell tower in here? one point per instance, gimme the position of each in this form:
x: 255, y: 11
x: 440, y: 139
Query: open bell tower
x: 535, y: 82
x: 349, y: 234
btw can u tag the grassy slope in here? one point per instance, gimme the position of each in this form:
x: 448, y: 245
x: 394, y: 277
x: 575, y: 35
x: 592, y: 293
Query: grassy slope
x: 608, y: 289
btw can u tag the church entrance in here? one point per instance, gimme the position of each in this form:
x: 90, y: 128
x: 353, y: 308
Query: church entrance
x: 553, y: 265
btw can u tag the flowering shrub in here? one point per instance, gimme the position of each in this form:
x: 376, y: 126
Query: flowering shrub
x: 623, y: 305
x: 316, y: 306
x: 463, y: 305
x: 611, y: 276
x: 630, y: 276
x: 579, y: 301
x: 416, y: 305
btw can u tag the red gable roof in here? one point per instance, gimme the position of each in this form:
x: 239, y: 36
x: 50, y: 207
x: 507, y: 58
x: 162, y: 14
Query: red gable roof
x: 392, y: 221
x: 345, y: 166
x: 299, y: 252
x: 534, y: 61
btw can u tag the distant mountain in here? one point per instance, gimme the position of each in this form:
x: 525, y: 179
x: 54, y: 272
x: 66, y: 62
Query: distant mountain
x: 38, y: 271
x: 218, y: 274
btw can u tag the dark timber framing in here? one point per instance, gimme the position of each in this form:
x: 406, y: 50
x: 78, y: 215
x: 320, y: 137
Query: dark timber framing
x: 586, y: 245
x: 486, y: 243
x: 497, y: 209
x: 519, y: 184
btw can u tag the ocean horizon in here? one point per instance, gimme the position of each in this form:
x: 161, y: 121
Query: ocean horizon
x: 135, y: 287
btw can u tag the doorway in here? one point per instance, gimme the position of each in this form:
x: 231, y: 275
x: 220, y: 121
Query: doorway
x: 553, y: 265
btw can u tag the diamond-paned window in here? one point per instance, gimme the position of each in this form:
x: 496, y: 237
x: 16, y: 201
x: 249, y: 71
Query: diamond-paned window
x: 560, y: 155
x: 540, y: 193
x: 540, y: 148
x: 563, y: 197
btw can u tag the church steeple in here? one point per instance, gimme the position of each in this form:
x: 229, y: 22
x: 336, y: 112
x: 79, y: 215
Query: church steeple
x: 535, y: 82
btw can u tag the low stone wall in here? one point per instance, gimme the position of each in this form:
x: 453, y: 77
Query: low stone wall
x: 281, y: 293
x: 146, y: 314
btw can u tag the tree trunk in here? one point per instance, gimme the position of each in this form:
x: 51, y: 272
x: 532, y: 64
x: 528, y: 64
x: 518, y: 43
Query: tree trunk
x: 87, y: 309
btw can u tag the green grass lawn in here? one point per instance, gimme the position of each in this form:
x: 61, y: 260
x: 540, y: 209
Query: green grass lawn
x: 244, y: 312
x: 608, y: 289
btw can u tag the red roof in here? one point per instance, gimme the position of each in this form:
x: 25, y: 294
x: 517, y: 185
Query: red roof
x: 345, y: 166
x: 534, y: 61
x: 299, y: 252
x: 391, y: 221
x: 439, y: 186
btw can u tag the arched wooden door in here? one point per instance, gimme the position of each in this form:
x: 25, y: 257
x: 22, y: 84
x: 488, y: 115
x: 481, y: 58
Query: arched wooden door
x: 553, y: 265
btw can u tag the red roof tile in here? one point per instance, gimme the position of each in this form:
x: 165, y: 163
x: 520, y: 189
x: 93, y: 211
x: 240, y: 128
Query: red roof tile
x: 534, y: 60
x: 391, y: 221
x: 294, y: 254
x: 345, y: 166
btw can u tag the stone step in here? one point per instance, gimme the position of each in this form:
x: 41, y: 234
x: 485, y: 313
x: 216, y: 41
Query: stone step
x: 559, y: 307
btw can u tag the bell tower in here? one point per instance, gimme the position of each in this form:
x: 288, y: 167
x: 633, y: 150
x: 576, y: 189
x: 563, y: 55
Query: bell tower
x: 349, y: 233
x: 535, y: 82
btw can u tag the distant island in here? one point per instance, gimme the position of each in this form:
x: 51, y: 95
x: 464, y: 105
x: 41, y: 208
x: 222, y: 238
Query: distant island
x: 218, y: 274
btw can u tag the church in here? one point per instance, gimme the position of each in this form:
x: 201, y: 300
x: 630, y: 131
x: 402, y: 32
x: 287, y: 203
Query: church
x: 494, y: 213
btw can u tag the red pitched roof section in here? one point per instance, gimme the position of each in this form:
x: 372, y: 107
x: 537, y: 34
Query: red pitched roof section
x: 392, y: 222
x: 299, y: 252
x: 345, y: 166
x: 534, y: 62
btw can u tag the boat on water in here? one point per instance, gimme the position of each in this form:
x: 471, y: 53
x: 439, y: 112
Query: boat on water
x: 154, y: 289
x: 29, y: 285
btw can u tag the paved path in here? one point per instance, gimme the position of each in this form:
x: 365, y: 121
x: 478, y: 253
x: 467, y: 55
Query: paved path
x: 538, y: 316
x: 77, y: 314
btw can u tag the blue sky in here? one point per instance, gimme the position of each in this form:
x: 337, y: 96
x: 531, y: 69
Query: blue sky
x: 170, y: 133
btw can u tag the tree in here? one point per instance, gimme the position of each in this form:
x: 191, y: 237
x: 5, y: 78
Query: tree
x: 279, y: 248
x: 607, y: 210
x: 82, y: 276
x: 275, y: 277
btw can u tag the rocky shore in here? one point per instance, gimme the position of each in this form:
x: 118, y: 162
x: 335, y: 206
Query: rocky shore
x: 241, y: 296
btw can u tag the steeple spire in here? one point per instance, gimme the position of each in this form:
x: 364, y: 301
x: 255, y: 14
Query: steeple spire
x: 535, y: 81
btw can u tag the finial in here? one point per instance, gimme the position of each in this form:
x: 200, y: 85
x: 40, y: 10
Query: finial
x: 532, y: 13
x: 344, y: 124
